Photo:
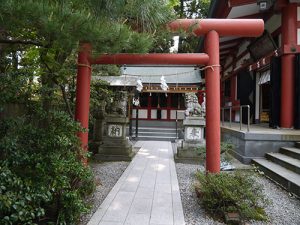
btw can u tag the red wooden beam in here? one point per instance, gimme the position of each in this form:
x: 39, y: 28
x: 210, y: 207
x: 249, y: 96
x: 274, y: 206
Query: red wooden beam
x: 151, y: 59
x: 234, y: 3
x: 224, y: 27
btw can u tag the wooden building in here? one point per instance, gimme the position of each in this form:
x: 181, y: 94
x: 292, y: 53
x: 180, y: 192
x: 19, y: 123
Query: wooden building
x: 262, y: 72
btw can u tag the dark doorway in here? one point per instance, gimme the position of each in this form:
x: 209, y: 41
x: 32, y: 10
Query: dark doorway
x: 246, y: 93
x: 265, y: 102
x: 275, y: 89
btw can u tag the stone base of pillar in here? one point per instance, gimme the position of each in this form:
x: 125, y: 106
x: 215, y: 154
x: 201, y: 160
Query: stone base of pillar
x: 112, y: 150
x: 193, y: 145
x: 115, y: 146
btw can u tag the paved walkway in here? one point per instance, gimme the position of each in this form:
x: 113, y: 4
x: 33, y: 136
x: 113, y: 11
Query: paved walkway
x: 147, y: 193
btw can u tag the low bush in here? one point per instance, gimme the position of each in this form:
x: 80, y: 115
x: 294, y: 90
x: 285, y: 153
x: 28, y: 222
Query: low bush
x: 225, y: 148
x: 231, y: 192
x: 42, y: 180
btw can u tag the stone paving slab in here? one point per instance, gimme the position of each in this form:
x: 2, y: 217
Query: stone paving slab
x: 147, y: 193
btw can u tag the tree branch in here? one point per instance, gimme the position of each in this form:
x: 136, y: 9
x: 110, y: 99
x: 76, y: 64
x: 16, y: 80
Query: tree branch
x: 20, y: 42
x: 65, y: 98
x: 64, y: 94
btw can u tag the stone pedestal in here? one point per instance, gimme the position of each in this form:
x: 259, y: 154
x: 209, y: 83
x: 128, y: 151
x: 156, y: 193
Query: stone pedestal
x: 193, y: 144
x: 194, y: 130
x: 115, y: 146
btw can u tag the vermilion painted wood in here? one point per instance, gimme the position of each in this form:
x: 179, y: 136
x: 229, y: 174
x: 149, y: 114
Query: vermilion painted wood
x: 235, y: 3
x: 224, y: 27
x: 151, y: 59
x: 289, y: 38
x: 212, y: 83
x: 83, y: 94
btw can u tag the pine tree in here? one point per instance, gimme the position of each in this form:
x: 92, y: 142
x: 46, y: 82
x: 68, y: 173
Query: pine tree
x: 43, y: 36
x: 191, y: 9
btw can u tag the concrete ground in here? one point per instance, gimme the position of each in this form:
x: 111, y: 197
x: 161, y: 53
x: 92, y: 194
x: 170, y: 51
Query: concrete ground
x: 259, y: 129
x: 147, y: 193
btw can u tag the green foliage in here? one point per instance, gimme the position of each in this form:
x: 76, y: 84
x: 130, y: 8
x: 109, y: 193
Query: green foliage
x: 192, y: 9
x: 106, y: 70
x: 101, y: 94
x: 201, y: 151
x: 109, y: 25
x: 20, y: 200
x: 232, y: 192
x: 42, y: 38
x: 147, y: 14
x: 163, y: 42
x: 226, y: 147
x: 14, y: 85
x: 42, y: 177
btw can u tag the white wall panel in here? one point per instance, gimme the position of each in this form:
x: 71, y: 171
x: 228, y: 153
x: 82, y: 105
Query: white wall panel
x: 142, y: 113
x: 153, y: 114
x: 164, y: 114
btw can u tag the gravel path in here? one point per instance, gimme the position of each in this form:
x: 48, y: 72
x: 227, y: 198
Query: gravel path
x: 284, y: 209
x: 106, y: 175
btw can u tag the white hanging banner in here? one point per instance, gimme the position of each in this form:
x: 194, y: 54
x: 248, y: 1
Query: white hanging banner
x: 139, y: 85
x: 136, y: 101
x: 163, y: 84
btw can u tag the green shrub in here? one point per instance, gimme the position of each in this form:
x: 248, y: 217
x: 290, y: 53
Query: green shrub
x: 20, y: 200
x: 225, y: 148
x: 42, y: 179
x: 201, y: 151
x: 232, y: 192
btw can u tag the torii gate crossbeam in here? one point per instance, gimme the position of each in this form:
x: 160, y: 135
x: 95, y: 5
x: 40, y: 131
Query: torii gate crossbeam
x: 212, y: 28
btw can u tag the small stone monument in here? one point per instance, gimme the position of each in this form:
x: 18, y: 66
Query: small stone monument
x: 115, y: 146
x: 194, y: 124
x: 194, y: 131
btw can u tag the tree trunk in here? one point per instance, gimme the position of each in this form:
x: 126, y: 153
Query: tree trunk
x: 181, y: 13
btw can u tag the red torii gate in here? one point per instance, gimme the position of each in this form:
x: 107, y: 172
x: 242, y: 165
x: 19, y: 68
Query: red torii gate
x: 212, y: 29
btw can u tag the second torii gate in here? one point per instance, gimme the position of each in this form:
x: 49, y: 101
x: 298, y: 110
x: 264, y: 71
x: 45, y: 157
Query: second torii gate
x: 212, y: 29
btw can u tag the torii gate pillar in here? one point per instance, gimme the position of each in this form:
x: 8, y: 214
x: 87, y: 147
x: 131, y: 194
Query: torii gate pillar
x: 83, y: 94
x: 212, y: 83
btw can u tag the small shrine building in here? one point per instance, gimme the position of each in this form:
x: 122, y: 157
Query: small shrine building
x: 155, y: 101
